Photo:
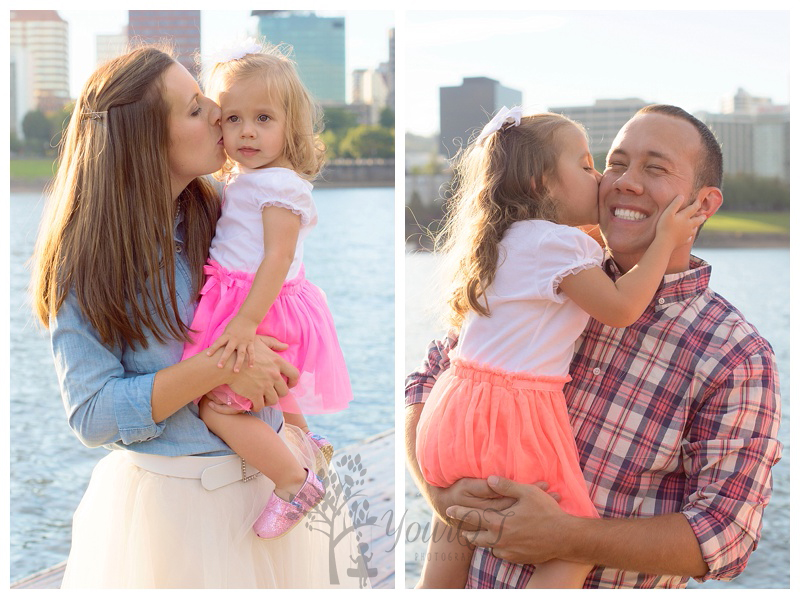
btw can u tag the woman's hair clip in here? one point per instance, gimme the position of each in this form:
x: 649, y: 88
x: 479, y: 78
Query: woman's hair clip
x: 235, y: 51
x: 505, y: 117
x: 95, y: 116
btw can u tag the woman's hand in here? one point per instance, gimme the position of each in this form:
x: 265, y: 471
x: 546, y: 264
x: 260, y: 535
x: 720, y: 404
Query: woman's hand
x: 268, y: 380
x: 239, y: 336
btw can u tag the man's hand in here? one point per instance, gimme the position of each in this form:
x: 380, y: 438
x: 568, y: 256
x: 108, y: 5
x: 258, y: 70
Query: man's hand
x: 527, y: 532
x: 469, y: 493
x: 535, y: 529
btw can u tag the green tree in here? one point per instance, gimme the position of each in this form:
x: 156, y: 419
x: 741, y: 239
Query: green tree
x: 368, y: 141
x: 58, y: 123
x: 386, y: 118
x: 331, y: 141
x: 338, y: 120
x: 16, y: 143
x: 37, y: 129
x: 751, y: 193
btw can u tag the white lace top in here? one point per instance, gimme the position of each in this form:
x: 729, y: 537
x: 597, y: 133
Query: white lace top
x: 238, y: 242
x: 532, y: 327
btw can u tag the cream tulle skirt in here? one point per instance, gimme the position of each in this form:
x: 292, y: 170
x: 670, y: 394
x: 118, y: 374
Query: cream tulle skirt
x: 137, y: 529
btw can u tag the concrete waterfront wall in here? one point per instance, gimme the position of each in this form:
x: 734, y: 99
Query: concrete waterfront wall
x: 336, y: 173
x: 357, y: 173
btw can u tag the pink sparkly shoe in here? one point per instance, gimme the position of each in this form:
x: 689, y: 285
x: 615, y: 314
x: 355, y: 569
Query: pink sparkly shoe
x: 279, y: 516
x: 323, y: 445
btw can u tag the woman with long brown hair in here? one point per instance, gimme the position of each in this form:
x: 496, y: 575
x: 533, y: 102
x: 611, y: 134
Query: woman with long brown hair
x: 118, y: 266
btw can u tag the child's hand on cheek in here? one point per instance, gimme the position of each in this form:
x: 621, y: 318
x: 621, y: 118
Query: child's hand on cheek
x: 239, y: 336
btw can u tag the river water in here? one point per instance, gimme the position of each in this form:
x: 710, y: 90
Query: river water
x: 756, y: 281
x: 350, y: 255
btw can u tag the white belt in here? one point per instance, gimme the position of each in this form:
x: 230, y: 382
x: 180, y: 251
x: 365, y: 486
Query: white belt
x: 213, y: 472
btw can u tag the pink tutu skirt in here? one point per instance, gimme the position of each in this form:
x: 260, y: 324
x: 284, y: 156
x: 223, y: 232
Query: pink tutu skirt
x: 300, y: 317
x: 480, y: 421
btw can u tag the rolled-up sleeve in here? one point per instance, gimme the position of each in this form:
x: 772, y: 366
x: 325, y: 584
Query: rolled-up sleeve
x: 437, y: 360
x: 728, y: 454
x: 103, y: 405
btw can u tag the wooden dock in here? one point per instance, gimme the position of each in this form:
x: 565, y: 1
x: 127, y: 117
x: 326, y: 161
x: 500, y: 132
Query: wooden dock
x: 377, y: 456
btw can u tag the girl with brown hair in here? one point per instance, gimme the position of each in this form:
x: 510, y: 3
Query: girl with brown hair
x: 524, y: 282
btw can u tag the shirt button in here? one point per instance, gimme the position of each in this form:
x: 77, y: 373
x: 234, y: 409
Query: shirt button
x: 662, y: 301
x: 596, y: 371
x: 178, y: 248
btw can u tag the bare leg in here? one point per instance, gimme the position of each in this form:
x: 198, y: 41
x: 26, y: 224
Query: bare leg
x: 446, y: 565
x: 559, y: 574
x: 260, y: 446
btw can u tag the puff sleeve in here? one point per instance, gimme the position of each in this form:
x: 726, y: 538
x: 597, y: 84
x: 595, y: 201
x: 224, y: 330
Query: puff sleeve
x: 563, y: 251
x: 289, y: 191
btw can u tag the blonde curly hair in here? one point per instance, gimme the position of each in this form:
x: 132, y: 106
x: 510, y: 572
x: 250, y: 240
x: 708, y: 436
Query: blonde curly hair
x: 304, y: 149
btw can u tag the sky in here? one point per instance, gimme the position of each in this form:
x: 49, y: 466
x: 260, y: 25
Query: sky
x: 571, y: 58
x: 366, y: 35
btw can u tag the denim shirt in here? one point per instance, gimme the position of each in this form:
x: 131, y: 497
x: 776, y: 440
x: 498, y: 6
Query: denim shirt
x: 107, y: 390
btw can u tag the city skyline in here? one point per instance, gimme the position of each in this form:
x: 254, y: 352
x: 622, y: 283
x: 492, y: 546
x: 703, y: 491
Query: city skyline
x: 366, y: 41
x: 717, y: 53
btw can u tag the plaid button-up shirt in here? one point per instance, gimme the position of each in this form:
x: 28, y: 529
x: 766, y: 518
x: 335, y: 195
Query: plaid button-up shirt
x: 678, y: 412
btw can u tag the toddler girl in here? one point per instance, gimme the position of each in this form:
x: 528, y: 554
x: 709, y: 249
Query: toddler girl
x: 255, y: 283
x: 524, y: 283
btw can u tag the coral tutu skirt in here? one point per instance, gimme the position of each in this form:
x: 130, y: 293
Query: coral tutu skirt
x: 480, y: 421
x: 300, y: 317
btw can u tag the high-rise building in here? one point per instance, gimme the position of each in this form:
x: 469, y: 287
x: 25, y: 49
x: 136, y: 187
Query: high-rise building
x: 318, y: 49
x: 371, y: 90
x: 111, y: 45
x: 744, y: 103
x: 180, y: 28
x: 466, y: 108
x: 39, y: 63
x: 602, y: 120
x: 753, y: 132
x: 390, y: 72
x: 754, y: 135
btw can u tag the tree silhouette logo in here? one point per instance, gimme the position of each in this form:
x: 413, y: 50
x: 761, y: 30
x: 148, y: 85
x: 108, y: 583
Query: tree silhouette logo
x: 345, y: 492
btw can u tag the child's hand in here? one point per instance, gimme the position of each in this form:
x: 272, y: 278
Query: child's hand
x: 679, y: 225
x: 239, y: 336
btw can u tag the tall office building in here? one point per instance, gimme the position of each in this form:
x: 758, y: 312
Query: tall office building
x: 390, y: 72
x: 318, y: 49
x: 111, y: 45
x: 754, y: 135
x: 602, y: 120
x: 181, y: 28
x: 744, y: 103
x: 465, y: 109
x: 39, y: 55
x: 371, y: 90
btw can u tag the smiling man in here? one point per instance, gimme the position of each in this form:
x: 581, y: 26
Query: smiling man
x: 675, y: 417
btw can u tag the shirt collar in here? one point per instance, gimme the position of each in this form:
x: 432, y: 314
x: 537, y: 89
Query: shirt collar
x: 177, y: 228
x: 676, y: 287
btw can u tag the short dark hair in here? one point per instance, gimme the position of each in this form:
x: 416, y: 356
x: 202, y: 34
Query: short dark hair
x: 709, y: 171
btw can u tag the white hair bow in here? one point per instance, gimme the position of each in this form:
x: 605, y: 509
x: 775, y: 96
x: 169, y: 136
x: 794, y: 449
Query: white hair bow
x: 235, y: 51
x: 505, y: 116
